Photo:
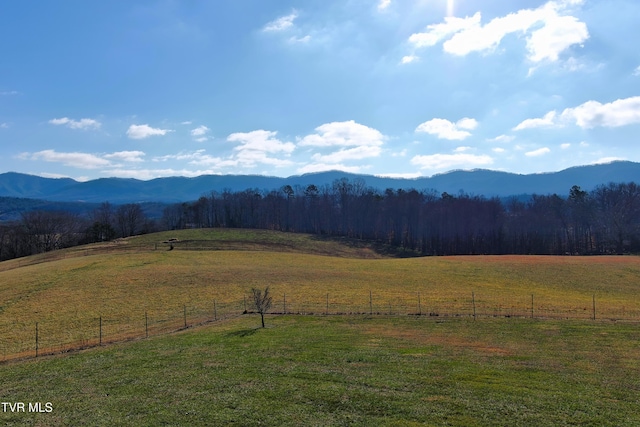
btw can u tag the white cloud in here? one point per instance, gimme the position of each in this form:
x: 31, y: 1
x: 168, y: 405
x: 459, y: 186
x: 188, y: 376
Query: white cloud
x: 304, y: 39
x: 76, y: 124
x: 55, y: 175
x: 548, y: 120
x: 383, y: 4
x: 557, y: 35
x: 408, y: 175
x: 539, y: 152
x: 462, y: 149
x: 621, y: 112
x: 355, y: 153
x: 607, y: 160
x: 437, y: 32
x: 281, y: 23
x: 145, y: 131
x: 565, y: 146
x: 199, y: 158
x: 214, y: 162
x: 126, y: 156
x: 502, y: 138
x: 255, y: 145
x: 636, y: 72
x: 84, y: 160
x: 548, y: 29
x: 322, y: 167
x: 498, y: 150
x: 447, y: 161
x: 180, y: 156
x: 260, y: 140
x: 147, y: 174
x: 4, y: 126
x: 409, y: 59
x: 343, y: 134
x: 250, y: 158
x: 9, y: 92
x: 199, y: 131
x: 467, y: 123
x: 592, y: 114
x: 74, y: 159
x: 572, y: 64
x: 355, y: 142
x: 444, y: 129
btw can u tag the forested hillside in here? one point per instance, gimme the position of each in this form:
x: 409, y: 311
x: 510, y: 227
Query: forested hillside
x: 605, y: 220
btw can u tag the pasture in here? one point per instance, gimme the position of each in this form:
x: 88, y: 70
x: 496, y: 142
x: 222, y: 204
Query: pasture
x: 410, y: 353
x: 344, y: 370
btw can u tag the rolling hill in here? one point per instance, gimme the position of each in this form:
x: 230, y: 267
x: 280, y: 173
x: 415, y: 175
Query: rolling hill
x: 350, y: 338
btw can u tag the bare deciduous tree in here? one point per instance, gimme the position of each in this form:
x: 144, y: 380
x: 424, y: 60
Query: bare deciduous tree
x: 130, y: 219
x: 261, y: 301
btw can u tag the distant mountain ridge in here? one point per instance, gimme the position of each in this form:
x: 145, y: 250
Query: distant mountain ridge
x: 482, y: 182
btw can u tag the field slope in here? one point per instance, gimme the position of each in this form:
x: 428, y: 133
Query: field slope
x: 496, y: 340
x: 341, y: 370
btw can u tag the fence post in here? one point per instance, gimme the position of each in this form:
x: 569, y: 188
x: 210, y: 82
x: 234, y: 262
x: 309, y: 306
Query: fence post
x: 36, y: 339
x: 215, y: 312
x: 370, y: 303
x: 419, y: 306
x: 146, y: 325
x: 594, y: 307
x: 473, y: 300
x: 185, y: 316
x: 284, y: 299
x: 532, y: 306
x: 245, y: 304
x: 100, y: 336
x: 327, y: 310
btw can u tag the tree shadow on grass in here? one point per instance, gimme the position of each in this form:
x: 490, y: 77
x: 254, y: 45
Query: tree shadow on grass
x: 243, y: 333
x: 382, y: 249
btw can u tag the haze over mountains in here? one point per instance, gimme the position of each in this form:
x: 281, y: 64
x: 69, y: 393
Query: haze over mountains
x: 179, y: 189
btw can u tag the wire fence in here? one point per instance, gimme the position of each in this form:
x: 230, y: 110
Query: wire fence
x: 71, y: 334
x: 45, y: 337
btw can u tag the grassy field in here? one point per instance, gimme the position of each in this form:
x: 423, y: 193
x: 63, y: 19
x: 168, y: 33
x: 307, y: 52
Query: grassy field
x: 136, y: 282
x: 445, y: 367
x: 344, y: 370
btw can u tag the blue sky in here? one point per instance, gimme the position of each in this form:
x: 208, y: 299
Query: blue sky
x: 154, y: 88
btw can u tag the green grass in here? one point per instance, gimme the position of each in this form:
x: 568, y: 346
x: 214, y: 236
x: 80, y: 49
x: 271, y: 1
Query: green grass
x: 353, y: 370
x: 252, y: 240
x: 504, y: 368
x: 120, y: 282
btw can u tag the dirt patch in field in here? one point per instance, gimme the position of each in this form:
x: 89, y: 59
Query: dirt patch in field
x: 431, y: 338
x: 546, y: 259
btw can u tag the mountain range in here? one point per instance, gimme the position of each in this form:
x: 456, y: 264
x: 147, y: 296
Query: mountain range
x: 483, y: 182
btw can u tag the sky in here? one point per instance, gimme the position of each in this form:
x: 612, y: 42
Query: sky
x: 402, y: 88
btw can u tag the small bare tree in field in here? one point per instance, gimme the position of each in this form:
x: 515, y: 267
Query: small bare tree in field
x: 262, y: 301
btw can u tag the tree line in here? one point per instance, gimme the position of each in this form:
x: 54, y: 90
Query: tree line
x: 40, y: 231
x: 605, y: 220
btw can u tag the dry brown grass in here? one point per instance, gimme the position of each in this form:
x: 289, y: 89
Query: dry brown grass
x: 67, y: 296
